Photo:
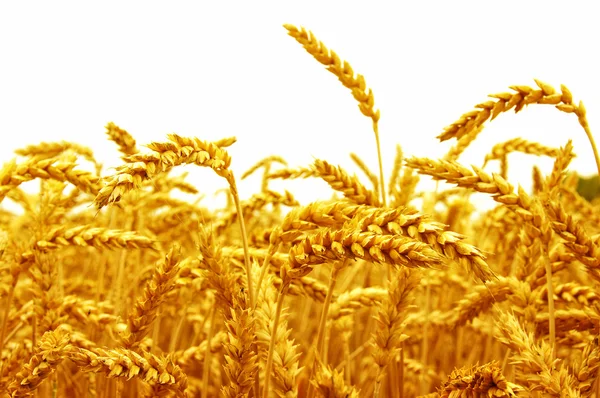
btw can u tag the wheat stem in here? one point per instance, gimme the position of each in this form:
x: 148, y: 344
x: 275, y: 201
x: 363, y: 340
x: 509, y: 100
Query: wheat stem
x: 551, y: 315
x: 588, y: 132
x: 234, y: 192
x: 322, y: 326
x: 379, y: 158
x: 269, y: 365
x: 425, y: 343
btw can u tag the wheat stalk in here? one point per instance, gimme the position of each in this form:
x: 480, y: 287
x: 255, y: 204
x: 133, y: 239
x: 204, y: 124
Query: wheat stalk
x: 344, y: 72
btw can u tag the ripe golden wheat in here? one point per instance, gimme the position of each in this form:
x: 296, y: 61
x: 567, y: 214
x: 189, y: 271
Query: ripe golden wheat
x: 111, y: 286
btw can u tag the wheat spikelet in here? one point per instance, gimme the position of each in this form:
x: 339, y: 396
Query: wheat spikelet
x: 572, y: 292
x: 164, y: 183
x: 529, y: 209
x: 164, y: 156
x: 480, y: 299
x: 330, y: 383
x: 192, y: 357
x: 98, y: 237
x: 13, y: 359
x: 47, y: 355
x: 339, y: 244
x: 288, y: 174
x: 45, y: 150
x: 503, y: 102
x: 344, y: 72
x: 255, y: 204
x: 462, y: 143
x: 522, y: 96
x: 575, y: 236
x: 218, y: 277
x: 266, y: 162
x: 539, y: 369
x: 88, y: 312
x: 367, y: 172
x: 241, y: 358
x: 341, y: 69
x: 485, y: 380
x: 286, y: 358
x: 159, y: 373
x: 13, y: 175
x: 392, y: 314
x: 408, y: 184
x: 579, y: 204
x: 568, y: 320
x: 350, y: 301
x: 406, y: 222
x: 146, y: 307
x: 520, y: 145
x: 341, y: 181
x: 563, y: 159
x: 586, y: 371
x: 122, y: 138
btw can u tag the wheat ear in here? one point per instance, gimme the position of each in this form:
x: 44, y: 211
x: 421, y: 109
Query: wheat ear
x: 392, y: 314
x: 519, y: 99
x: 520, y: 145
x: 47, y: 355
x: 13, y: 175
x: 122, y: 138
x: 344, y: 72
x: 145, y: 309
x: 241, y: 363
x: 486, y: 380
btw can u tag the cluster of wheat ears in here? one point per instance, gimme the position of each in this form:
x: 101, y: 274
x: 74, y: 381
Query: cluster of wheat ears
x: 111, y: 286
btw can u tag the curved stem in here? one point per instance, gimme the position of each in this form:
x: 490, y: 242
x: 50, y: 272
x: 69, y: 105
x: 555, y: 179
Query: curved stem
x: 233, y: 189
x: 326, y: 304
x: 381, y: 179
x: 588, y: 132
x: 265, y: 267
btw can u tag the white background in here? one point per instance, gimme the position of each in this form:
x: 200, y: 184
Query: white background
x: 216, y: 69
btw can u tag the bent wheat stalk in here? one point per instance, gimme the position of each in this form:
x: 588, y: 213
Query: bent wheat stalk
x: 345, y: 73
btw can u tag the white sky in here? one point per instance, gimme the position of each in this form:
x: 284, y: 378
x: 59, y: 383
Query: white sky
x: 216, y: 69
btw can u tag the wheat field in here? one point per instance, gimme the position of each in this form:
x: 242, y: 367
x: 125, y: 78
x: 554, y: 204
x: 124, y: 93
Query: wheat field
x: 113, y: 286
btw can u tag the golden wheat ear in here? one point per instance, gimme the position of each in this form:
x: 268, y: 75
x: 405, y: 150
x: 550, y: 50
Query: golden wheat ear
x: 344, y: 72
